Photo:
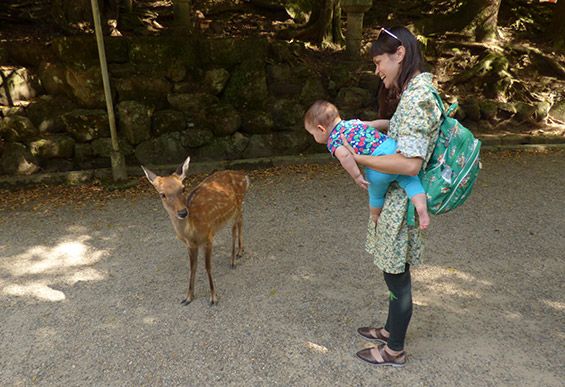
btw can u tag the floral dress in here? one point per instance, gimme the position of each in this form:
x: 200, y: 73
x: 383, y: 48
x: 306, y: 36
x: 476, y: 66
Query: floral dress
x: 414, y: 126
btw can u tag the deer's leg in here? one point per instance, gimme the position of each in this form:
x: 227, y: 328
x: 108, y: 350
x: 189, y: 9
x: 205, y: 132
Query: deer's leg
x: 193, y: 256
x: 213, y: 299
x: 240, y: 235
x: 233, y: 237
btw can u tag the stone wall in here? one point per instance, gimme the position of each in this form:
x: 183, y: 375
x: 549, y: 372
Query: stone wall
x: 211, y: 99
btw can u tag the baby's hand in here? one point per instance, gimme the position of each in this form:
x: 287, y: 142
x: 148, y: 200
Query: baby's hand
x: 361, y: 182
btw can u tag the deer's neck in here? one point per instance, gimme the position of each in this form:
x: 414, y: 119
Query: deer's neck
x: 182, y: 227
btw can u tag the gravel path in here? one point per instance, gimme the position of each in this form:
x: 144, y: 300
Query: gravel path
x: 91, y: 295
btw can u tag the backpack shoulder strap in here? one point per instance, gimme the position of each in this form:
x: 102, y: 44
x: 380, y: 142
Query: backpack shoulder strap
x: 439, y: 101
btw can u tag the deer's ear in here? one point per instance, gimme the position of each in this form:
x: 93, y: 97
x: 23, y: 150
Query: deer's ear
x: 182, y: 170
x: 150, y: 175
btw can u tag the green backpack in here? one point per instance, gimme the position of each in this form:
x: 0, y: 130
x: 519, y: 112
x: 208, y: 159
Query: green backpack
x: 453, y: 167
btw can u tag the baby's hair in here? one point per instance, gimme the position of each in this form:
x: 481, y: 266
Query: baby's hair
x: 321, y: 113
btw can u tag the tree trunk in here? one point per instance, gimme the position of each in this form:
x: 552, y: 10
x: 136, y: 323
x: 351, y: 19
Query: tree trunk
x: 183, y: 14
x: 483, y: 26
x: 323, y: 27
x: 477, y: 18
x: 557, y: 27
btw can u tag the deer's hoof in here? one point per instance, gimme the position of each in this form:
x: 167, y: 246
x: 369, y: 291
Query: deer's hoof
x: 185, y: 302
x: 213, y: 301
x: 233, y: 266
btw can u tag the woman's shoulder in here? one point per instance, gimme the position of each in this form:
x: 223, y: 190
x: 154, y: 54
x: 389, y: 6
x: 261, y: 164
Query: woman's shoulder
x: 421, y: 86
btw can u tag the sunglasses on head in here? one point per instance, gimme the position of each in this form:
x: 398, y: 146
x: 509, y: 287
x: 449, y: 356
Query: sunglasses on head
x: 391, y: 34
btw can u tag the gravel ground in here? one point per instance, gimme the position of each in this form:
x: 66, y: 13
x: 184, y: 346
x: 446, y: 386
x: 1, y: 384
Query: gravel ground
x: 90, y: 295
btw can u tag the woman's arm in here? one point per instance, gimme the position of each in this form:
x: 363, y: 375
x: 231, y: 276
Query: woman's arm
x: 381, y: 125
x: 396, y: 164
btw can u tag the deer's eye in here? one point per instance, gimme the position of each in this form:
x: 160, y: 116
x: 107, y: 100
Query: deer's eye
x: 163, y: 195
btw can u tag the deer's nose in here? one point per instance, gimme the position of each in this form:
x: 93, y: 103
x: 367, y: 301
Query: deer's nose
x: 182, y: 213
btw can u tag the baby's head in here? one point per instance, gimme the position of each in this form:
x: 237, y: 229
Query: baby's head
x: 320, y: 119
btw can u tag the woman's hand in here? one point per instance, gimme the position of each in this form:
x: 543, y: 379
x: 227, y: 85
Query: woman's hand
x: 347, y: 145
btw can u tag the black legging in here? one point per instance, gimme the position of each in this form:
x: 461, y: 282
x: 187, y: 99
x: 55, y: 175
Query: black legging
x: 399, y: 307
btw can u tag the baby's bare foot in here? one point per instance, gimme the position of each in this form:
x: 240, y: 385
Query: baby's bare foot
x: 423, y: 220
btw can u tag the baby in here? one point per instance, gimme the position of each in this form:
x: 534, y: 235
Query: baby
x: 323, y: 122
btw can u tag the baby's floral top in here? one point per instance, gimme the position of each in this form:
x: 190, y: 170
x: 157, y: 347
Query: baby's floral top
x: 414, y: 126
x: 363, y: 138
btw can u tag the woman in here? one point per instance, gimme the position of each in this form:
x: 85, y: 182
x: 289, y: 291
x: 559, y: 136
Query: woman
x: 394, y: 245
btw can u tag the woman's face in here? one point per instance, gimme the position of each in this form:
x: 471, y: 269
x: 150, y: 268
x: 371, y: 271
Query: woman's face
x: 388, y: 68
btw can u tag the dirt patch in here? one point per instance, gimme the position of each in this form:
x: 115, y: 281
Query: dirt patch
x: 91, y: 294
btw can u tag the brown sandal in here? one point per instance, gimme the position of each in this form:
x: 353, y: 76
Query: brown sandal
x: 373, y: 334
x: 382, y: 357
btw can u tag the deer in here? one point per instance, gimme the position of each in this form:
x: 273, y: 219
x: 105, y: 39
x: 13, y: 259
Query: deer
x: 198, y: 216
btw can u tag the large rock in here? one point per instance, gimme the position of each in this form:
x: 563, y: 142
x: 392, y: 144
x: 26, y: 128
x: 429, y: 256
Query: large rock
x: 370, y: 81
x: 247, y: 87
x: 215, y: 80
x: 102, y: 147
x: 557, y: 111
x: 472, y: 109
x: 83, y: 152
x: 227, y: 52
x: 256, y: 122
x: 176, y: 71
x: 313, y: 90
x: 525, y: 112
x: 86, y: 125
x: 149, y: 91
x: 17, y: 128
x: 166, y: 121
x: 340, y: 77
x: 135, y: 121
x: 195, y: 103
x: 291, y: 143
x: 165, y: 149
x: 159, y: 51
x: 29, y: 53
x: 54, y: 146
x: 489, y: 109
x: 283, y: 80
x: 86, y: 85
x: 194, y: 137
x: 18, y: 84
x: 223, y: 119
x: 45, y: 113
x: 260, y: 145
x: 287, y: 115
x: 541, y: 111
x: 353, y: 98
x: 16, y: 159
x: 76, y: 50
x: 282, y: 143
x: 222, y: 148
x: 53, y: 77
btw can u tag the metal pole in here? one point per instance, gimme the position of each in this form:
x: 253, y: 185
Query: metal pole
x: 119, y: 171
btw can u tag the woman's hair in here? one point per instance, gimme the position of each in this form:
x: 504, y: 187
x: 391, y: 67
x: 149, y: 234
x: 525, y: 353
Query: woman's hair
x: 321, y: 113
x: 413, y: 61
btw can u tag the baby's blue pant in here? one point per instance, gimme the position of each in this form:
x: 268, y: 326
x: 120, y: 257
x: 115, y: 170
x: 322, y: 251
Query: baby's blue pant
x: 379, y: 182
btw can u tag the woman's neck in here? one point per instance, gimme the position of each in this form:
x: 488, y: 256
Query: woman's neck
x: 414, y: 75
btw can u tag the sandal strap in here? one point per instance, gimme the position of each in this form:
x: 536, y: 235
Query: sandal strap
x: 387, y: 357
x: 378, y: 355
x: 372, y: 333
